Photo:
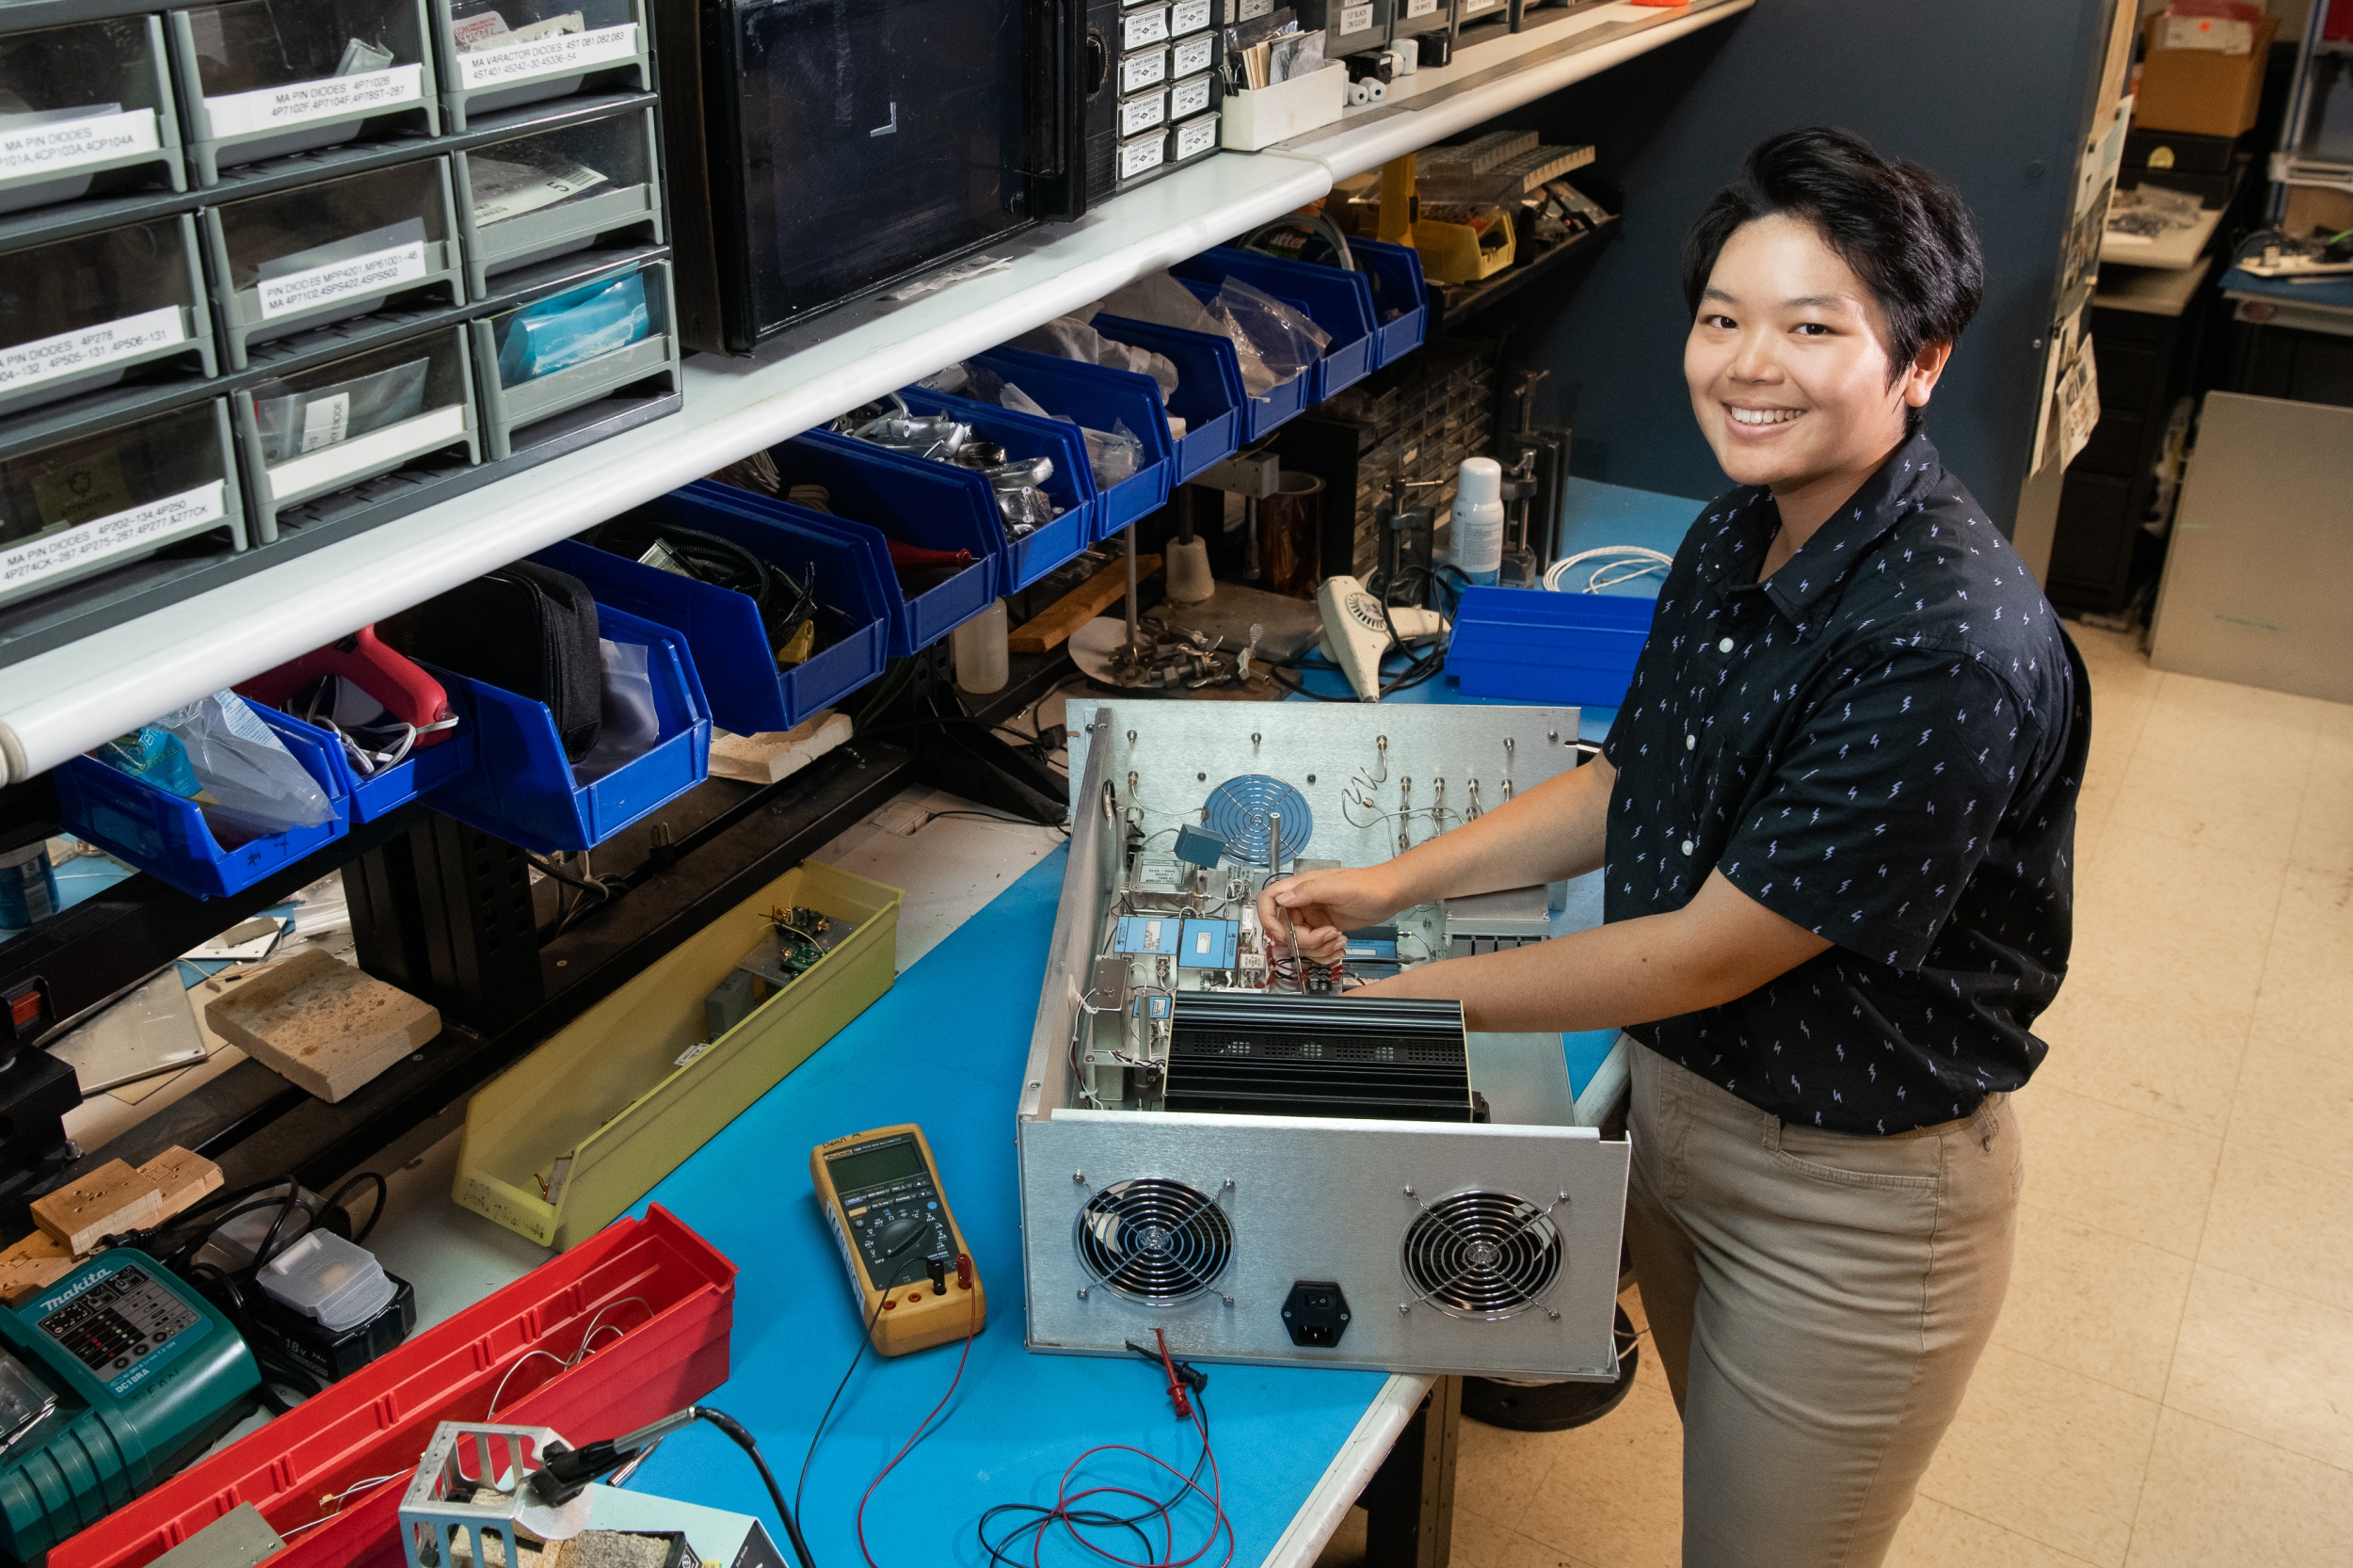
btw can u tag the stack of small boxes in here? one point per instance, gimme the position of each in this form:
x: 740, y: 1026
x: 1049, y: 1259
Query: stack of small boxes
x: 1157, y: 107
x: 272, y: 274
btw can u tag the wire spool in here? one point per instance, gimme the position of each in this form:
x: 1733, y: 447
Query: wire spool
x: 1237, y: 811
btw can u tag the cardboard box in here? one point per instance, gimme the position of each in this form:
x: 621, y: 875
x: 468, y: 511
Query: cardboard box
x: 2200, y: 90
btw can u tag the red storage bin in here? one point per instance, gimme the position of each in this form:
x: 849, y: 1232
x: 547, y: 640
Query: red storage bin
x: 378, y: 1420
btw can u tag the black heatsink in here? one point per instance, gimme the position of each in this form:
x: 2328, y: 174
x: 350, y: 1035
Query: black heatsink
x: 1288, y: 1055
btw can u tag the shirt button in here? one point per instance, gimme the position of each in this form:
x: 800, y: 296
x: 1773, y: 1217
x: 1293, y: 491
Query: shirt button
x: 1725, y: 647
x: 1689, y: 741
x: 1687, y: 846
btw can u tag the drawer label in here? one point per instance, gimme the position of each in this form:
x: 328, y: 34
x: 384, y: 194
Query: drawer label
x: 1188, y: 16
x: 1142, y: 114
x: 1417, y: 9
x: 241, y: 114
x: 64, y: 144
x: 1355, y: 19
x: 344, y: 459
x: 1193, y: 54
x: 1195, y: 136
x: 535, y: 52
x: 139, y: 528
x: 372, y: 272
x: 1138, y: 157
x: 1188, y: 98
x: 1138, y: 28
x: 1138, y: 71
x: 1250, y: 10
x: 28, y: 364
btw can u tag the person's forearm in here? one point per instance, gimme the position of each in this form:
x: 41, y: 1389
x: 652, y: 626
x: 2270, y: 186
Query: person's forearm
x: 1718, y: 948
x: 1553, y: 831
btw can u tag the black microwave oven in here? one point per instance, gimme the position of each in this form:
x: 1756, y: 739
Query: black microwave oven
x: 822, y: 150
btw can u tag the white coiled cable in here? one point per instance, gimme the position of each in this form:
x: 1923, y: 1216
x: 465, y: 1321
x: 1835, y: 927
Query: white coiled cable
x: 1620, y: 562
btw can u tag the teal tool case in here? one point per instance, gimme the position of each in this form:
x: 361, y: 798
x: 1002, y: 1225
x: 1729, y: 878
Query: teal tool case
x: 109, y: 1380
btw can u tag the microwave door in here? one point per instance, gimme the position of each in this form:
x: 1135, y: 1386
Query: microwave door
x: 879, y: 137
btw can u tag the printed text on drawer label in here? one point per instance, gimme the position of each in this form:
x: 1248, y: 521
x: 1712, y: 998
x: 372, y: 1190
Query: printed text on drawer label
x: 88, y: 348
x: 345, y: 459
x: 330, y: 97
x: 140, y: 528
x: 545, y: 57
x: 371, y: 274
x: 1355, y: 19
x: 64, y: 144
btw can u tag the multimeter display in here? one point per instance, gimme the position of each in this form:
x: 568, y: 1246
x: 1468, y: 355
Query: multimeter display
x: 879, y: 1184
x: 116, y: 1327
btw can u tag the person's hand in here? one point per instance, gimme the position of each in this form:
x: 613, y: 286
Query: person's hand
x: 1320, y: 907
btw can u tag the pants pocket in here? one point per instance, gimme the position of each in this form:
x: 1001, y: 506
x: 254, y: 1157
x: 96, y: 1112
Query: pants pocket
x: 1851, y: 1160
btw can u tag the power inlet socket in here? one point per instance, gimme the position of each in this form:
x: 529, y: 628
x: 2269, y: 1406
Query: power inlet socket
x: 1315, y: 1313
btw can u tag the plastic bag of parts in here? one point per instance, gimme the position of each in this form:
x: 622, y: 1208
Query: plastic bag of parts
x: 1070, y: 338
x: 573, y: 328
x: 295, y: 422
x: 249, y: 785
x: 1159, y: 298
x: 631, y: 725
x: 1284, y: 339
x: 1114, y: 455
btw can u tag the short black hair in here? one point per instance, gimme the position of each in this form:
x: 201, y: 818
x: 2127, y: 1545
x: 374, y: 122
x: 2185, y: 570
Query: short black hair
x: 1903, y: 229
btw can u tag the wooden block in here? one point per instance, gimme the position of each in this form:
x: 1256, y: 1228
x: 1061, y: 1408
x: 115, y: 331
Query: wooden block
x: 110, y: 1199
x: 182, y: 1175
x: 1078, y: 606
x: 32, y: 1266
x: 765, y: 759
x: 323, y: 1024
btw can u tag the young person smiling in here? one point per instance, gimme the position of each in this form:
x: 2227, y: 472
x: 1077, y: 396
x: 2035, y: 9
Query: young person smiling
x: 1835, y: 817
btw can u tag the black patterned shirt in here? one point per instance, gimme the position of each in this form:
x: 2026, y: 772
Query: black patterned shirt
x: 1882, y: 742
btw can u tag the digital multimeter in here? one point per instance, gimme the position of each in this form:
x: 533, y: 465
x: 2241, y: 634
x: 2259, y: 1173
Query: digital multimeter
x: 109, y: 1380
x: 909, y: 1268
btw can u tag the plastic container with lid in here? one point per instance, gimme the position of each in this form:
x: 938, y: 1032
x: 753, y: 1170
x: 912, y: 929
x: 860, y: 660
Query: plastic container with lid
x: 323, y: 1277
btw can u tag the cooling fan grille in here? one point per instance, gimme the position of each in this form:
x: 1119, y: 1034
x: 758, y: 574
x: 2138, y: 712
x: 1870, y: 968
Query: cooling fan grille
x: 1237, y: 812
x: 1482, y: 1255
x: 1154, y: 1241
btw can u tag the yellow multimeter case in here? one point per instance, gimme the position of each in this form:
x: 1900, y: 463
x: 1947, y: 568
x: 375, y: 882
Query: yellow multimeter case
x: 909, y: 1268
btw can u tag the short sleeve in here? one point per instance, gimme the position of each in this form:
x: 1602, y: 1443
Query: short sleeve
x: 1870, y: 826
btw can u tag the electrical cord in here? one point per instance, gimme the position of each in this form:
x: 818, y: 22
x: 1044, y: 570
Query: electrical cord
x: 921, y: 1426
x: 733, y: 1430
x: 898, y: 1278
x: 1618, y: 563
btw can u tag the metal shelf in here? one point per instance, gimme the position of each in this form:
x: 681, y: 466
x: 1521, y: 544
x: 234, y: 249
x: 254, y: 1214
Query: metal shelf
x: 57, y: 704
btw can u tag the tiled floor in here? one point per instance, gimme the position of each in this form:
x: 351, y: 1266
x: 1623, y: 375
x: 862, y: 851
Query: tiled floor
x: 2171, y: 1382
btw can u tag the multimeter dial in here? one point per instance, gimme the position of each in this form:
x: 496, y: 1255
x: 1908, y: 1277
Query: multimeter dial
x: 879, y: 1185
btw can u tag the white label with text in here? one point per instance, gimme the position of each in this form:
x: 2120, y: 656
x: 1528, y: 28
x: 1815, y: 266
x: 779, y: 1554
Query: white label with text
x: 1139, y: 28
x: 1188, y: 98
x: 328, y: 98
x: 1142, y: 114
x: 1196, y: 136
x: 1142, y: 154
x: 1138, y: 71
x: 1417, y: 8
x: 1193, y: 54
x: 140, y: 528
x: 325, y: 420
x: 1355, y: 19
x: 28, y: 364
x: 1188, y: 16
x: 495, y: 63
x: 370, y: 274
x: 65, y: 144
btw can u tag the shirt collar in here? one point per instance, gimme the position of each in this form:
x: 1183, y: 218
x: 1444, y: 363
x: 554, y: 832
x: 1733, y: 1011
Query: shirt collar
x: 1823, y: 561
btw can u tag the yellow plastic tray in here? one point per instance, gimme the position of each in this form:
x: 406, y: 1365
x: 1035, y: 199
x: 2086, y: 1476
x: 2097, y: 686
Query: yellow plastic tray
x: 1451, y: 252
x: 608, y: 1092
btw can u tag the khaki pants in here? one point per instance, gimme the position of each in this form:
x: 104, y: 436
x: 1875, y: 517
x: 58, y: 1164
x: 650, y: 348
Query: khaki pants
x: 1819, y: 1301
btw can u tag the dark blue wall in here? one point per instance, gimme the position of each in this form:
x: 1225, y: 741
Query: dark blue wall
x: 1994, y: 94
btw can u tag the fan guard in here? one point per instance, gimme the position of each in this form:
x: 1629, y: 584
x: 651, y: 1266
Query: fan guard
x: 1480, y: 1255
x: 1237, y: 812
x: 1154, y: 1241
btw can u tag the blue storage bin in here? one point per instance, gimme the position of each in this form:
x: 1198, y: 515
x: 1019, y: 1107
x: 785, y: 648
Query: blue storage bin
x: 1538, y: 646
x: 932, y: 505
x: 396, y: 785
x: 722, y: 628
x: 1209, y: 396
x: 1394, y: 274
x: 1218, y: 413
x: 1340, y: 302
x: 1071, y: 489
x: 167, y: 837
x: 1099, y: 396
x: 523, y: 789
